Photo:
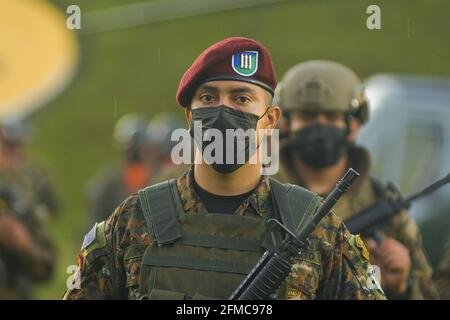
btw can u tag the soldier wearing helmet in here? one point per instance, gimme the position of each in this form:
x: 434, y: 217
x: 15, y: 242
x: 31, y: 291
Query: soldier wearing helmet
x: 130, y: 136
x: 27, y: 253
x: 159, y: 131
x: 325, y: 107
x: 141, y: 160
x: 22, y: 171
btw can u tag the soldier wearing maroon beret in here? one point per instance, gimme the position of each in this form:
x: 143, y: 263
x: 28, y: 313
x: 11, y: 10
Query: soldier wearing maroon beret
x: 198, y: 236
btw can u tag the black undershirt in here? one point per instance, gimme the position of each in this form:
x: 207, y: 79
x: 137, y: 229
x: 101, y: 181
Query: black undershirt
x: 220, y: 204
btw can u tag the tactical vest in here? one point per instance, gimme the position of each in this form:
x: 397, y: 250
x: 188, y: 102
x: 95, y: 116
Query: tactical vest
x: 207, y: 255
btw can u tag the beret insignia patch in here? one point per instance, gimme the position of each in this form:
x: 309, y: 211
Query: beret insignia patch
x: 245, y: 63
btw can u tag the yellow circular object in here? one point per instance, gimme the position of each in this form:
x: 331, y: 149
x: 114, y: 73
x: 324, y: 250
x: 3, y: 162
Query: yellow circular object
x: 38, y: 55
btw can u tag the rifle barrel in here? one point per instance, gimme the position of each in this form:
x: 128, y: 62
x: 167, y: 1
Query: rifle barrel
x: 431, y: 188
x: 340, y: 188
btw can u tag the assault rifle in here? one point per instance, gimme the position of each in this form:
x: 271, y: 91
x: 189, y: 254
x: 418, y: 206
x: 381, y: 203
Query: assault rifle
x: 275, y: 265
x: 368, y: 221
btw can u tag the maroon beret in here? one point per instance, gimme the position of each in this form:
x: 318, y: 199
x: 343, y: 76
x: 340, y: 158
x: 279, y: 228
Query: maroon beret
x: 236, y: 58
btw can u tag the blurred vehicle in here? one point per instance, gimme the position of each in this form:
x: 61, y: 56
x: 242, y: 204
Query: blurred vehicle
x: 409, y: 138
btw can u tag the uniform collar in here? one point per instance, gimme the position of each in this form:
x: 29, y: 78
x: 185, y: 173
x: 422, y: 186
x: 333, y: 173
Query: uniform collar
x: 258, y: 203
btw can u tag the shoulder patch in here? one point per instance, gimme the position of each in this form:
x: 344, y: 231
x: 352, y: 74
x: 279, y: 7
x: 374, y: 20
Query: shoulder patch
x: 367, y: 275
x: 358, y: 245
x: 361, y: 246
x: 89, y: 237
x: 95, y: 238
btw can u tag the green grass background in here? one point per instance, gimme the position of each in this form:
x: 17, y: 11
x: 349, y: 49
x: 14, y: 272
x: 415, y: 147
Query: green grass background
x: 138, y: 69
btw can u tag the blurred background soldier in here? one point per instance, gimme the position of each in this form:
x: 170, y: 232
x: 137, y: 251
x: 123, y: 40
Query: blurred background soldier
x: 145, y: 148
x: 26, y: 252
x: 141, y: 160
x: 325, y: 107
x: 22, y: 173
x: 159, y: 132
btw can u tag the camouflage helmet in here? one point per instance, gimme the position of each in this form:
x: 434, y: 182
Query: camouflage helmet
x: 130, y: 131
x: 322, y: 85
x: 160, y: 129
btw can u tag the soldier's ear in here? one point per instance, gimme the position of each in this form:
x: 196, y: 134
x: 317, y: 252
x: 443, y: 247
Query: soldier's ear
x: 273, y: 117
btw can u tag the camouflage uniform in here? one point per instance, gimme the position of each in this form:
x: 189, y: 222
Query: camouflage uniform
x: 109, y: 271
x: 402, y: 228
x: 18, y: 270
x: 22, y: 173
x: 32, y: 183
x: 45, y: 195
x: 33, y: 202
x: 170, y: 171
x: 443, y: 275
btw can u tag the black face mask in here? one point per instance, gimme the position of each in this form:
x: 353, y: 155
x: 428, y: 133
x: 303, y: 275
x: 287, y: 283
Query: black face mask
x: 222, y: 118
x: 320, y: 146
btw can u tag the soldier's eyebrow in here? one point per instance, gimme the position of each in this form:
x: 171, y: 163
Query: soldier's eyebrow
x: 243, y: 90
x: 215, y: 90
x: 207, y: 88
